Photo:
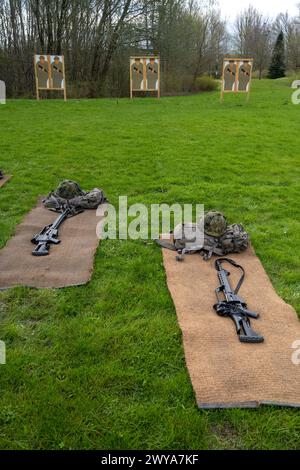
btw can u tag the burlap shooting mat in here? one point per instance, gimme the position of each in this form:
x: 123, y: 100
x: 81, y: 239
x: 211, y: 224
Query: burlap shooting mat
x: 68, y: 264
x: 224, y: 372
x: 5, y: 180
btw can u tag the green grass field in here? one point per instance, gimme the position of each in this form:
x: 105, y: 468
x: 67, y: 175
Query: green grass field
x: 102, y: 366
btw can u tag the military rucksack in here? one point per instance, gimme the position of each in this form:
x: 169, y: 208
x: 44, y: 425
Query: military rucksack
x: 235, y: 239
x: 232, y: 238
x: 70, y: 193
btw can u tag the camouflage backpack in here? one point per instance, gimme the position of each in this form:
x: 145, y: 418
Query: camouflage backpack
x: 70, y: 193
x: 235, y: 239
x: 219, y: 238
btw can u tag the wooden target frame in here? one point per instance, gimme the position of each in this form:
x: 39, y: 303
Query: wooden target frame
x: 48, y: 60
x: 144, y: 61
x: 238, y: 61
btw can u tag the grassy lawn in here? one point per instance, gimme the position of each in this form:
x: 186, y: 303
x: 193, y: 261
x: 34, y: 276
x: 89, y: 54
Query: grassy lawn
x: 102, y: 366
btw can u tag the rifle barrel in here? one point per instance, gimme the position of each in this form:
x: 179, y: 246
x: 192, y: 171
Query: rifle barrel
x: 56, y: 224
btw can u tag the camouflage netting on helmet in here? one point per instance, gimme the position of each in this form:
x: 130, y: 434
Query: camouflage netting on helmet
x: 215, y: 224
x: 69, y: 193
x: 69, y: 189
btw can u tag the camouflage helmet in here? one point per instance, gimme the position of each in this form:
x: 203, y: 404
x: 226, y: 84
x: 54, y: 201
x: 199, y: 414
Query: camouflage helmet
x: 215, y: 224
x: 69, y: 189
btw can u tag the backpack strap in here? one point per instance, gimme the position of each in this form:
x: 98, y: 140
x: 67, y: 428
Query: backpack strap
x: 207, y: 251
x: 166, y: 244
x: 211, y: 247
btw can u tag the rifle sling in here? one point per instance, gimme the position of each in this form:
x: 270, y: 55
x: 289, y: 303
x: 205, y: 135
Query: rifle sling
x: 233, y: 263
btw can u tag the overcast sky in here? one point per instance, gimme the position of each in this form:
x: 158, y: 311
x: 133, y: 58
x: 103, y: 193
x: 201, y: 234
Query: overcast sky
x: 230, y: 8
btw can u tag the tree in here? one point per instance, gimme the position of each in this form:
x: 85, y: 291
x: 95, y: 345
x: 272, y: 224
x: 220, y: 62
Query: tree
x: 252, y: 37
x: 277, y: 66
x: 291, y: 30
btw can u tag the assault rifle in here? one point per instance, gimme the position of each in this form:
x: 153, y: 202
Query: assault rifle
x: 137, y: 70
x: 244, y: 71
x: 49, y: 235
x: 57, y: 69
x: 230, y: 71
x: 152, y: 69
x: 233, y: 306
x: 42, y: 68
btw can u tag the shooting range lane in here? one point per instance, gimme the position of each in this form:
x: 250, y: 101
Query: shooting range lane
x: 224, y: 372
x: 5, y: 180
x: 68, y: 264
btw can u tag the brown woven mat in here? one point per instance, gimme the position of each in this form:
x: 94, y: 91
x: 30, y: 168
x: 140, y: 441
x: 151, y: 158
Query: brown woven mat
x: 69, y: 264
x: 4, y: 180
x: 224, y: 372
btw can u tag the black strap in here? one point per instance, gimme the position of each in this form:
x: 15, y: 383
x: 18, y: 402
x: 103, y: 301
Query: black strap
x: 233, y: 263
x: 165, y: 244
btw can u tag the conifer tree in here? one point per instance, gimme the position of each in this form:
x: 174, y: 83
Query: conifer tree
x: 277, y: 66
